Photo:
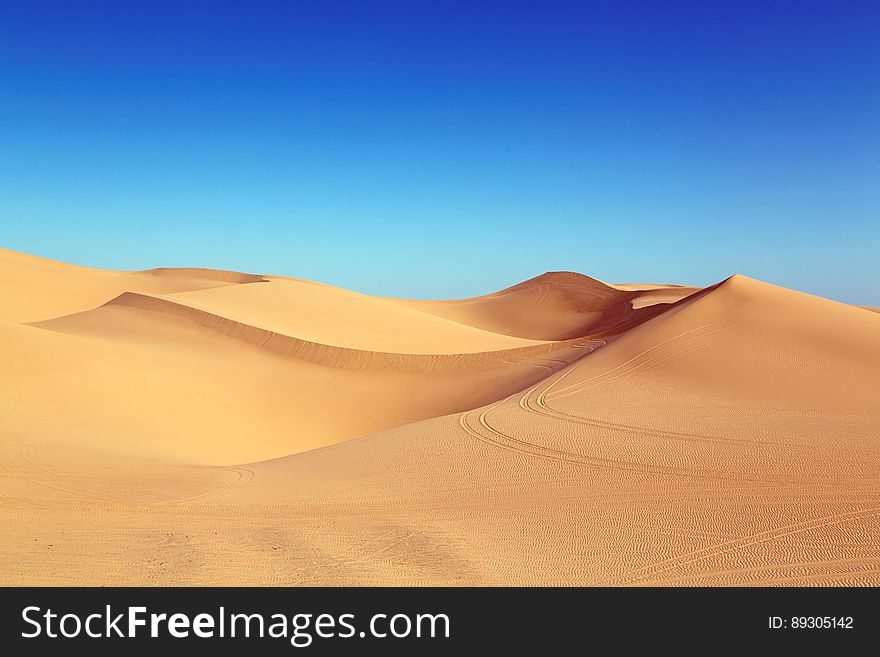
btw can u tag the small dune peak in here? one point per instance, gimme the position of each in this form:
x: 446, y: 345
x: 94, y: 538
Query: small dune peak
x: 741, y: 294
x: 566, y: 277
x: 220, y: 275
x: 741, y: 284
x: 739, y: 279
x: 557, y: 279
x: 736, y: 286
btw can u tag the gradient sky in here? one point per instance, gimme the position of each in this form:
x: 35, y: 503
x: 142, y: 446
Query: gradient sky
x: 448, y: 149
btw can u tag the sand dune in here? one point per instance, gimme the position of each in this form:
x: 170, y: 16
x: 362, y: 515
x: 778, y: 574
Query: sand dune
x: 199, y: 427
x: 125, y: 378
x: 329, y: 315
x: 33, y: 289
x: 656, y: 294
x: 553, y: 306
x: 145, y: 373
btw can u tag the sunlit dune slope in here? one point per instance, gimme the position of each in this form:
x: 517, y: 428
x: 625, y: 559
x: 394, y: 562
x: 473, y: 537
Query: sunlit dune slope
x: 135, y: 379
x: 733, y: 440
x: 33, y: 289
x: 224, y: 428
x: 653, y: 294
x: 258, y: 369
x: 330, y: 315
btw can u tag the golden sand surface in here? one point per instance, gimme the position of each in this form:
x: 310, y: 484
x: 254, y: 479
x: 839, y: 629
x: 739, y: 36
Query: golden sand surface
x: 194, y: 426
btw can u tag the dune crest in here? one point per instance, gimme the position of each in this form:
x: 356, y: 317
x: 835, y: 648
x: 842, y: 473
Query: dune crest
x: 143, y: 374
x: 313, y: 352
x: 33, y: 289
x: 220, y: 275
x: 552, y: 306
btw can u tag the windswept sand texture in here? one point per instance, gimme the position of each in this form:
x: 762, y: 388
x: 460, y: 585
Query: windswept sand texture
x: 190, y: 426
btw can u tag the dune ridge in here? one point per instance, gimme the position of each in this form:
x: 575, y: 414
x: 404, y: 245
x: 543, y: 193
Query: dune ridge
x: 555, y: 305
x: 187, y: 426
x: 329, y: 355
x: 145, y: 373
x: 334, y: 316
x: 34, y: 289
x: 221, y: 275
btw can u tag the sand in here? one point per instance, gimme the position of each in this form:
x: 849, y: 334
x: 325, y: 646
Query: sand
x: 191, y: 426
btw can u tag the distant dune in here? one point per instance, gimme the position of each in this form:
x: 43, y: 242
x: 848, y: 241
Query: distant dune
x: 194, y: 426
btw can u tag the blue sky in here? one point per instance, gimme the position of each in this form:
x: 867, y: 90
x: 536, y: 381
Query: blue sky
x: 448, y: 149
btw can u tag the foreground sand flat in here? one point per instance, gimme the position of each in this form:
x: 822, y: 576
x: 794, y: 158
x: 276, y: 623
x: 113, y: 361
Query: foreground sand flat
x: 186, y: 426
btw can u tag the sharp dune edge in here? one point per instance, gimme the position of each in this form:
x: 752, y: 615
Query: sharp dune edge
x: 322, y: 354
x: 192, y: 426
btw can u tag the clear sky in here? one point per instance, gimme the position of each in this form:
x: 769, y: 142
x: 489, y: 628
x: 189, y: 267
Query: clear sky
x: 445, y: 149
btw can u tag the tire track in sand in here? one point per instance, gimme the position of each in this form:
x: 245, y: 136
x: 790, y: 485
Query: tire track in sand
x: 646, y: 573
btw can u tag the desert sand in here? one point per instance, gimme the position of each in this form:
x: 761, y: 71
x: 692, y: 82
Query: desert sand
x: 194, y: 426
